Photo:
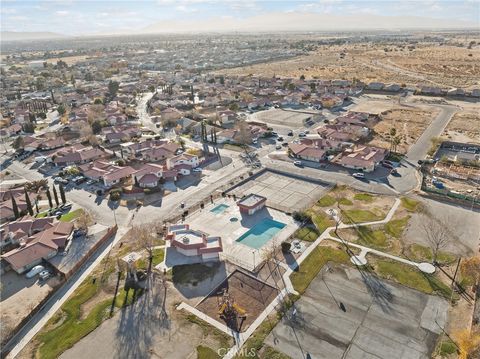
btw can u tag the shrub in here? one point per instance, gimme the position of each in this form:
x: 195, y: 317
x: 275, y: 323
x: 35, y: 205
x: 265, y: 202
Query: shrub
x: 302, y: 217
x: 115, y: 196
x: 286, y: 247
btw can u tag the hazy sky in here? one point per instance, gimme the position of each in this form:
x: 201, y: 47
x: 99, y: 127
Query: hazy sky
x: 77, y: 17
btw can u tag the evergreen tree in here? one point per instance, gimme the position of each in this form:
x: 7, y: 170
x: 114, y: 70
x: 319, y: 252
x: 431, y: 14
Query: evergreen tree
x: 16, y: 213
x: 55, y: 195
x: 49, y: 196
x: 62, y: 194
x: 29, y: 203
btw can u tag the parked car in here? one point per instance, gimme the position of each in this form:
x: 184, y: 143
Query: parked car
x: 359, y: 175
x: 302, y: 134
x: 278, y: 147
x: 90, y: 182
x: 290, y: 133
x: 285, y: 144
x: 197, y: 169
x: 34, y: 271
x: 280, y: 139
x: 44, y: 275
x: 297, y: 163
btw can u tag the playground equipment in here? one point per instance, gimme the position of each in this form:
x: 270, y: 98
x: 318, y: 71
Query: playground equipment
x: 229, y: 310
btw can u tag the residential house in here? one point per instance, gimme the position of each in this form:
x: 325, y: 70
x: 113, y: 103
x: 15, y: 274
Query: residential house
x: 11, y: 233
x: 39, y: 247
x: 308, y: 153
x: 361, y: 157
x: 71, y: 156
x: 6, y: 206
x: 117, y: 174
x: 149, y: 175
x: 183, y: 163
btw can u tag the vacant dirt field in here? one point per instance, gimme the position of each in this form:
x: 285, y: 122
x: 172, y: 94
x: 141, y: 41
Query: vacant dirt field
x: 426, y: 63
x: 248, y: 292
x: 464, y: 126
x: 409, y: 123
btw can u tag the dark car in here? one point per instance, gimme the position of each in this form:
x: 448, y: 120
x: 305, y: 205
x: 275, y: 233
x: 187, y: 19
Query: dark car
x: 387, y: 165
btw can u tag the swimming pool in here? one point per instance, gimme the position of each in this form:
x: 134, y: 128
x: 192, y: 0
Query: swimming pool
x: 219, y: 208
x: 261, y: 233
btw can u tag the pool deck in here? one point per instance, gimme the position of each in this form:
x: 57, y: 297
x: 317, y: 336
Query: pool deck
x: 220, y: 225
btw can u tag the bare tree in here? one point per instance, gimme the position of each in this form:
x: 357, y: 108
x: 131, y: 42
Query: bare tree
x: 84, y: 220
x: 145, y: 235
x: 436, y: 232
x: 244, y: 136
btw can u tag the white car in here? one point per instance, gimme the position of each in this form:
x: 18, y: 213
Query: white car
x: 297, y: 163
x: 302, y: 134
x: 359, y: 175
x: 278, y: 147
x: 197, y: 169
x: 34, y: 271
x: 44, y: 274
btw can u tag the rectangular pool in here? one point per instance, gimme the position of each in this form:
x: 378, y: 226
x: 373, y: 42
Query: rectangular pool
x: 261, y: 233
x: 219, y: 208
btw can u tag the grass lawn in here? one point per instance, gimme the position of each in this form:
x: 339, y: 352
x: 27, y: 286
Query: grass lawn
x: 447, y: 347
x: 326, y: 201
x: 361, y: 215
x: 345, y: 202
x: 312, y: 265
x: 365, y: 197
x: 307, y: 234
x: 322, y: 221
x: 411, y: 277
x: 396, y: 227
x: 193, y: 273
x: 372, y: 238
x: 206, y: 353
x: 420, y: 253
x: 409, y: 204
x: 70, y: 216
x: 158, y: 255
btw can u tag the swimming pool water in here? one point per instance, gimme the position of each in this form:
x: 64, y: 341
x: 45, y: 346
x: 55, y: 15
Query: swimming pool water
x: 261, y: 233
x: 219, y: 208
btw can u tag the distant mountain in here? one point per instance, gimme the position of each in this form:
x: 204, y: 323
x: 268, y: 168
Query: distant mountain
x: 301, y: 21
x: 19, y: 36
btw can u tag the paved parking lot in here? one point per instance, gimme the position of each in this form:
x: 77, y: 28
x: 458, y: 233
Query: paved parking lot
x: 379, y: 320
x: 282, y: 192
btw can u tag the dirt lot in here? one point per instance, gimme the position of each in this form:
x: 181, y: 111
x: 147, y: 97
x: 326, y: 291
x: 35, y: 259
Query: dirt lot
x: 464, y: 126
x: 286, y: 118
x: 19, y: 296
x: 427, y: 63
x: 409, y: 123
x: 248, y: 292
